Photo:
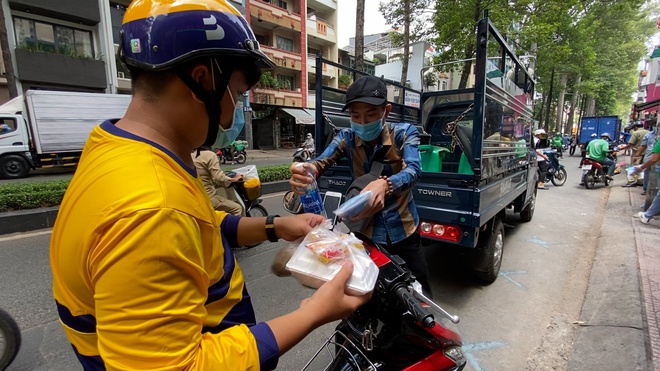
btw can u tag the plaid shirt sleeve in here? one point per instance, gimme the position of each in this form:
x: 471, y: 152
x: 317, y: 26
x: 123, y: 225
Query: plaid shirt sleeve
x: 335, y: 151
x: 407, y: 141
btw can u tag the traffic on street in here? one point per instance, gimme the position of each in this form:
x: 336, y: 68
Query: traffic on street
x: 529, y: 318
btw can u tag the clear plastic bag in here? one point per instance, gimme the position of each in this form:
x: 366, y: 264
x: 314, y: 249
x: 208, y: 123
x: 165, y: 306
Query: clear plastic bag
x: 252, y: 182
x: 353, y: 206
x: 319, y: 257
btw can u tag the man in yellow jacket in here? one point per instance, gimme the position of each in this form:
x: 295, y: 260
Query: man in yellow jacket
x: 143, y: 274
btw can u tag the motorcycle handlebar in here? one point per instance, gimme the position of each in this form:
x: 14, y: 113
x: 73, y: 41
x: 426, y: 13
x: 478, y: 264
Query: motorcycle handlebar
x: 418, y: 311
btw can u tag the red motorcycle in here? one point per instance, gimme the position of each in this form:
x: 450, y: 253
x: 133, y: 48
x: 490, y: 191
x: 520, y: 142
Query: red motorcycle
x: 397, y: 328
x: 594, y: 172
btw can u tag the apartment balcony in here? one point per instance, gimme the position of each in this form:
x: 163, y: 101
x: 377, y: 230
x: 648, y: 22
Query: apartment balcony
x: 277, y: 97
x: 274, y: 15
x: 321, y: 30
x: 328, y: 71
x: 283, y: 58
x: 323, y: 5
x: 60, y: 69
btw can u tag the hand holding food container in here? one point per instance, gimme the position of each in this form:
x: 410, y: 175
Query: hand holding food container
x: 320, y: 256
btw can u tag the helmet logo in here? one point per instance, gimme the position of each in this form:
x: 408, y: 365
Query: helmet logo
x: 216, y: 34
x: 135, y: 46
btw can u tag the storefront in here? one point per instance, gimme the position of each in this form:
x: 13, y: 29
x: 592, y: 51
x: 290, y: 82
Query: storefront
x: 295, y: 123
x: 276, y: 127
x: 648, y: 112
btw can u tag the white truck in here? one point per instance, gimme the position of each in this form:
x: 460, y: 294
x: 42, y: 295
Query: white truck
x: 49, y: 128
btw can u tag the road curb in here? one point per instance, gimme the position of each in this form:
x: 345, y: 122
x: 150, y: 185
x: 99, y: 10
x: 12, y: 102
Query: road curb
x: 33, y: 219
x: 27, y: 220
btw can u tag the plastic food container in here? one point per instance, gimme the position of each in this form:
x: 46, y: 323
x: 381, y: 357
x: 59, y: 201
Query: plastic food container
x: 310, y: 270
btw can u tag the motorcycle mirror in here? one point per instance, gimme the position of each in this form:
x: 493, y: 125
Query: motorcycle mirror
x: 292, y: 203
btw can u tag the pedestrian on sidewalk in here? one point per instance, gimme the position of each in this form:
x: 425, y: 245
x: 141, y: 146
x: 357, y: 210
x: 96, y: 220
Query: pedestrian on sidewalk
x: 638, y: 133
x: 645, y: 151
x: 654, y: 209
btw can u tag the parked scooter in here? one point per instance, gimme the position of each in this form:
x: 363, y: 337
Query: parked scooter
x: 556, y: 172
x: 10, y: 339
x: 398, y: 329
x: 234, y: 153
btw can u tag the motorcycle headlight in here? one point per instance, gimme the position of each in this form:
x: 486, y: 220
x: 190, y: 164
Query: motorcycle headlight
x: 456, y: 355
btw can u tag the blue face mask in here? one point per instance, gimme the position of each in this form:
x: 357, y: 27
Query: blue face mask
x: 368, y: 131
x: 227, y: 136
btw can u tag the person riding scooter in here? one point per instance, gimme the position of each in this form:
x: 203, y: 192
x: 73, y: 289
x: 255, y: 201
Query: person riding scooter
x: 308, y: 145
x: 208, y: 168
x: 597, y: 150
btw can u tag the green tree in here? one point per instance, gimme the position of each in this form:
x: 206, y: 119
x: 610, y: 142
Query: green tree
x: 456, y: 21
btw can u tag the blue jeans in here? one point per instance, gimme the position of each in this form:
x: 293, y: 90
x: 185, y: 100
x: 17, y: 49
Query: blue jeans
x: 646, y: 179
x: 610, y: 164
x: 654, y: 209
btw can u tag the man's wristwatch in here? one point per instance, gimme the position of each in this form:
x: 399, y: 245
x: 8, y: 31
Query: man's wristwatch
x: 270, y: 228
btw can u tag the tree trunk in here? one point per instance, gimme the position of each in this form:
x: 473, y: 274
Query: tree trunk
x: 469, y: 50
x: 549, y: 101
x: 467, y: 68
x: 574, y: 102
x: 406, y: 42
x: 591, y: 106
x: 359, y: 36
x: 559, y: 124
x: 541, y: 110
x: 6, y: 56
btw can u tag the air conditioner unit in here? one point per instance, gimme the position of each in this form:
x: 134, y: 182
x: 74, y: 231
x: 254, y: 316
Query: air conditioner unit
x: 120, y: 75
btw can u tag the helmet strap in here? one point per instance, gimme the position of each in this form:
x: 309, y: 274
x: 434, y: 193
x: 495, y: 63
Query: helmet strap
x: 210, y: 98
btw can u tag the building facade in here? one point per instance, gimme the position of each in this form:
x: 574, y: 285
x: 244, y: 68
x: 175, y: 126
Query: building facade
x: 62, y: 45
x: 71, y: 45
x: 292, y: 33
x: 647, y: 105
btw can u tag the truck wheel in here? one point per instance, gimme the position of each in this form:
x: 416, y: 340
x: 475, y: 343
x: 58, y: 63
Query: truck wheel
x: 13, y: 167
x: 528, y: 212
x: 559, y: 178
x: 489, y: 251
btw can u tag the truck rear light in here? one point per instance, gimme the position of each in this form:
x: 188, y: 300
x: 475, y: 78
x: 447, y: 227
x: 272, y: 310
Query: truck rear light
x: 441, y: 231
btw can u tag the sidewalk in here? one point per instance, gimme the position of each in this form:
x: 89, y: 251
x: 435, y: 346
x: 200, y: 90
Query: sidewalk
x: 647, y: 239
x: 267, y: 154
x: 619, y: 325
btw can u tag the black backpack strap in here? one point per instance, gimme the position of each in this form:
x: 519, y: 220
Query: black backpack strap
x: 359, y: 183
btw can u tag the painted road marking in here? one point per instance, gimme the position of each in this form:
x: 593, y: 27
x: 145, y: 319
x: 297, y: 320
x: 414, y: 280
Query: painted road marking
x: 469, y: 350
x: 25, y: 235
x: 539, y: 241
x: 507, y: 275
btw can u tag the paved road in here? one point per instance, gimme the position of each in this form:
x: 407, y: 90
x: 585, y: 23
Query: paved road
x: 524, y: 320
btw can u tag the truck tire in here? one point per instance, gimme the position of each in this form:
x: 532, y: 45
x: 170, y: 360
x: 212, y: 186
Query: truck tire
x: 528, y: 212
x: 489, y: 252
x: 14, y: 167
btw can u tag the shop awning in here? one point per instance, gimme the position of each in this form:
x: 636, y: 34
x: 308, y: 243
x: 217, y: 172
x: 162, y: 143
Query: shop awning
x: 647, y: 106
x: 301, y: 115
